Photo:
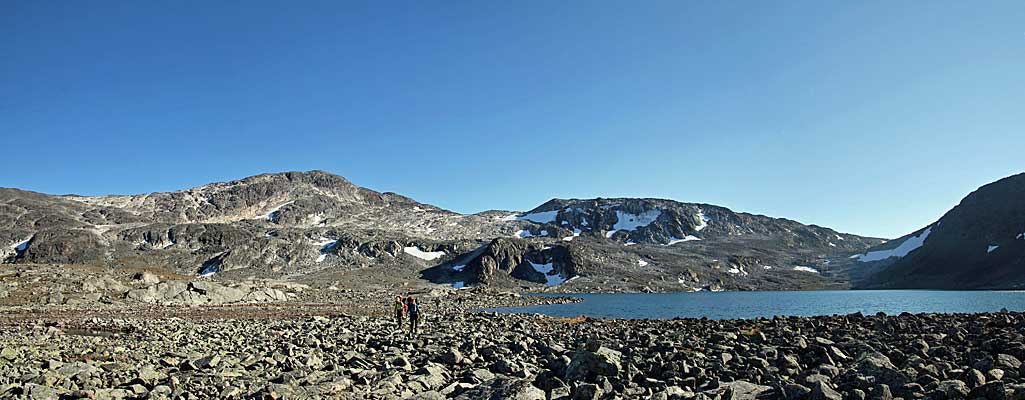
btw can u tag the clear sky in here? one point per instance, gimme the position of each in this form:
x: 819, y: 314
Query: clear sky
x: 870, y: 117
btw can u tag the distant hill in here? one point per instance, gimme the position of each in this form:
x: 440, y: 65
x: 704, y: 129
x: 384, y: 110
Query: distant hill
x: 316, y: 226
x: 979, y: 244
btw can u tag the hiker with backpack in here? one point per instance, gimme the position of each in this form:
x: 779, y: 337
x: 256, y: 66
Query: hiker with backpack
x: 400, y: 310
x: 414, y: 315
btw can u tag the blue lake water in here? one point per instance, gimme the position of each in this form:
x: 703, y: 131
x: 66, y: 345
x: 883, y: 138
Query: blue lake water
x: 731, y: 305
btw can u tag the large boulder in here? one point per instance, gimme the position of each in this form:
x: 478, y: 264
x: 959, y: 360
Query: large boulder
x: 504, y: 389
x: 588, y: 363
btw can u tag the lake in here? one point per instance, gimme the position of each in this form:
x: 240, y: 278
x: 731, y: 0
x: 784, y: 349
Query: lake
x: 731, y: 305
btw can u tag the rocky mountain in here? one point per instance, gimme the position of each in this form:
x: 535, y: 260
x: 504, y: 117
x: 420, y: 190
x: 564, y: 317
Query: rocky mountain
x: 979, y: 244
x: 320, y: 228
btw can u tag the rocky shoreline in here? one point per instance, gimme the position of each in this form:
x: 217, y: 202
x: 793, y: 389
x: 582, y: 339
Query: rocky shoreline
x: 296, y: 350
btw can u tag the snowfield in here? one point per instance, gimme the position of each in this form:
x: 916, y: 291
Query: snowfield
x: 674, y: 240
x: 22, y: 245
x: 541, y: 217
x: 806, y: 269
x: 523, y: 234
x: 991, y: 248
x: 270, y: 214
x: 548, y: 269
x: 423, y: 255
x: 909, y: 245
x: 642, y: 263
x: 629, y: 222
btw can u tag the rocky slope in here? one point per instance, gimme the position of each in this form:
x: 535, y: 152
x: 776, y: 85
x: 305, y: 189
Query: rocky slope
x: 318, y: 227
x: 298, y: 352
x: 979, y: 244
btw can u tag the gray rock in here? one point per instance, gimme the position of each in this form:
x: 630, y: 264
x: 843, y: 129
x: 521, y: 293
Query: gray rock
x: 586, y: 365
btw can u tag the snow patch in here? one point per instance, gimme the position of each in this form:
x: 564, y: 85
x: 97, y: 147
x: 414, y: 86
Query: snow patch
x: 702, y: 221
x: 1020, y: 235
x: 423, y: 255
x: 609, y: 234
x: 806, y: 269
x: 642, y: 263
x: 459, y: 285
x: 544, y: 232
x: 766, y: 267
x: 908, y: 246
x: 991, y: 248
x: 458, y: 268
x: 510, y: 217
x: 838, y: 237
x: 629, y: 222
x: 271, y: 214
x: 541, y: 217
x: 321, y: 257
x: 552, y: 278
x: 22, y: 245
x: 673, y: 240
x: 523, y: 234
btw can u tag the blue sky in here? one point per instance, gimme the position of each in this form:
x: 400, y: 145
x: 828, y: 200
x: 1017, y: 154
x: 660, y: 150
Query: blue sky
x: 870, y: 117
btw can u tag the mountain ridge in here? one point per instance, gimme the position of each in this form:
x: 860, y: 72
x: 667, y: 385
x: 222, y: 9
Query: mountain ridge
x: 311, y: 224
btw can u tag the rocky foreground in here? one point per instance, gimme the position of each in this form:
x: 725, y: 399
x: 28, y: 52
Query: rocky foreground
x: 306, y: 351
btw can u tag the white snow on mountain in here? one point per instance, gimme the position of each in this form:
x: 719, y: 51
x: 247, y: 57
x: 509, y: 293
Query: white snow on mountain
x: 270, y: 214
x: 806, y: 269
x: 325, y: 243
x: 576, y: 232
x: 736, y: 270
x: 459, y: 285
x: 991, y: 248
x: 642, y: 263
x: 423, y: 255
x: 674, y: 240
x: 702, y: 221
x: 629, y: 222
x: 548, y: 269
x: 1021, y: 236
x: 766, y: 267
x: 523, y: 234
x: 321, y: 257
x: 22, y: 245
x: 541, y: 217
x: 909, y: 245
x: 458, y: 268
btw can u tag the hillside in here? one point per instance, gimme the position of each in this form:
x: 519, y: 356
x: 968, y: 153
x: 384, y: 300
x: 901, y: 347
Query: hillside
x: 979, y: 244
x: 319, y: 227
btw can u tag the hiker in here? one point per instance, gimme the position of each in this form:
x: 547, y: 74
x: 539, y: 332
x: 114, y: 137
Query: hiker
x: 400, y: 310
x: 414, y: 315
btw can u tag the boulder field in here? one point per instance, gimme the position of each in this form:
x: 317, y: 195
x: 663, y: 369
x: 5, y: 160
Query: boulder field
x: 292, y: 350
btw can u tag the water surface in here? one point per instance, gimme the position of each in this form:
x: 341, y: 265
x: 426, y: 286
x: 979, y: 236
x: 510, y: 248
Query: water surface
x: 730, y: 305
